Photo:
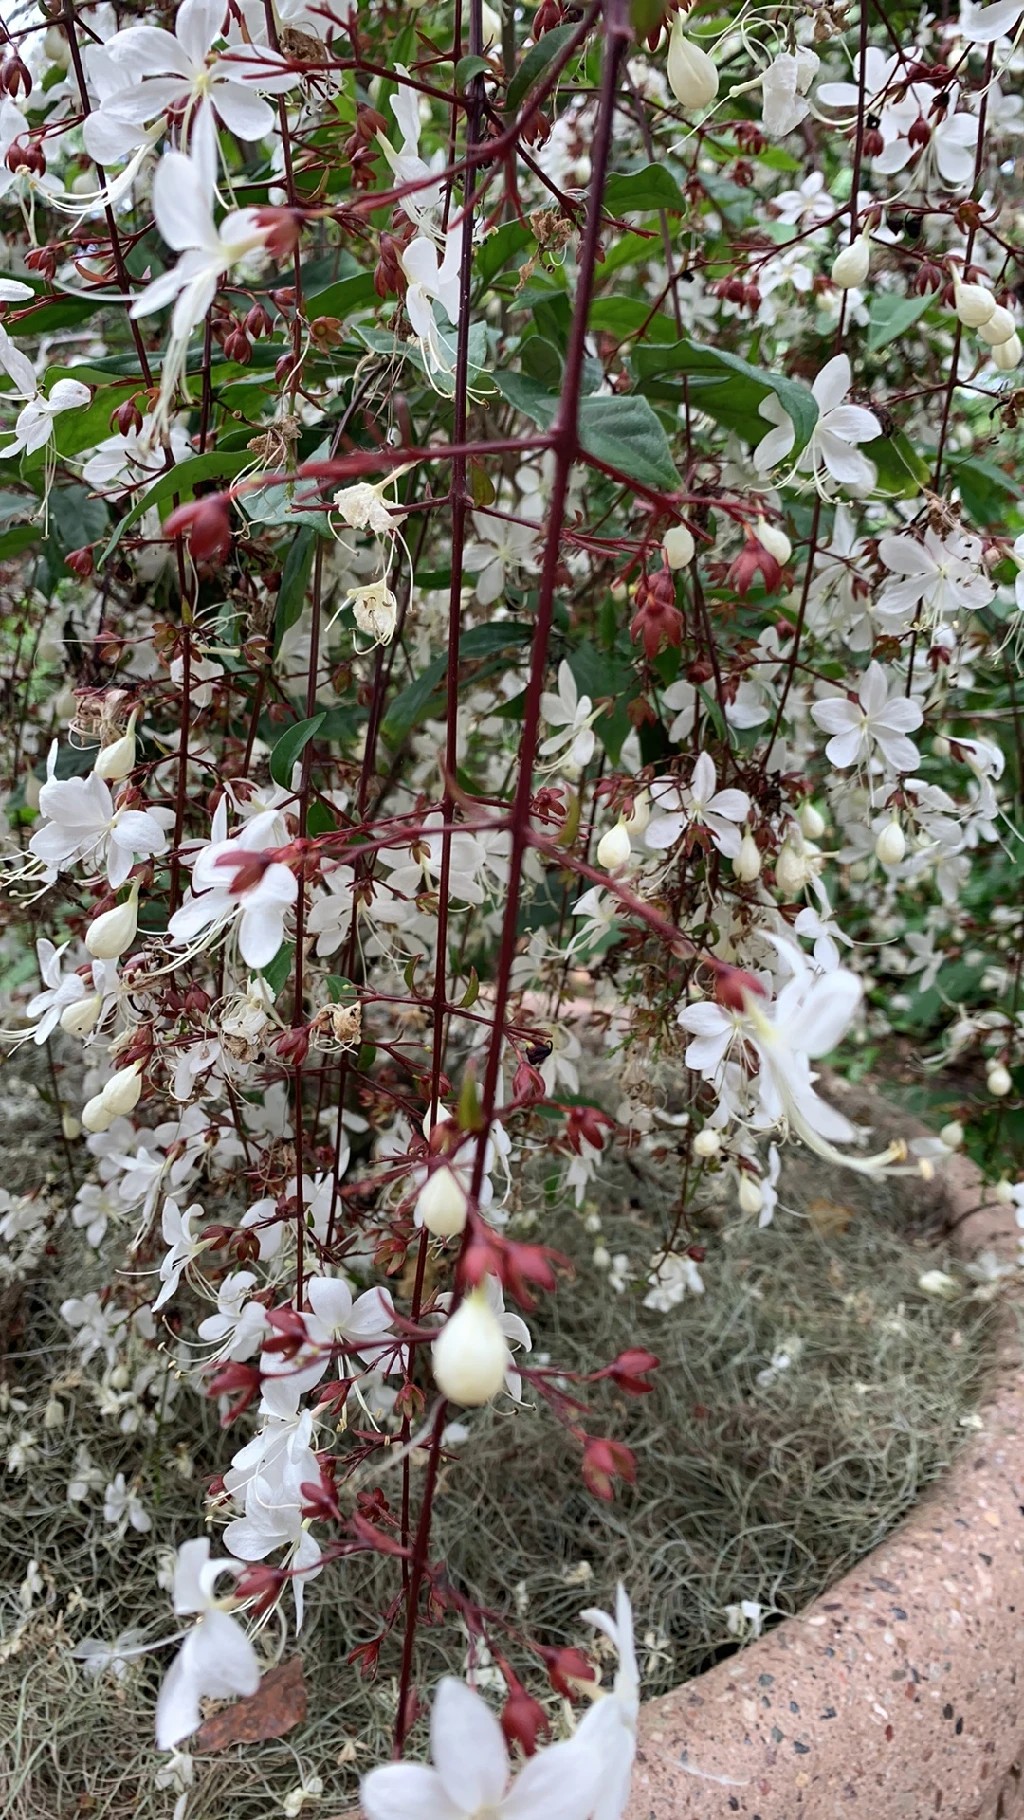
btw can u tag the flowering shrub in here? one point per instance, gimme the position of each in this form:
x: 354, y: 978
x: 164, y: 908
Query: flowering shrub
x: 498, y: 512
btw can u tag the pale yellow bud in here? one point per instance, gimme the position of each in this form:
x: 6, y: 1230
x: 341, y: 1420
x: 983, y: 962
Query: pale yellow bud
x: 791, y: 871
x: 812, y: 822
x: 692, y: 76
x: 891, y: 845
x: 973, y: 304
x: 442, y: 1204
x: 999, y: 327
x: 707, y: 1143
x: 117, y: 761
x: 999, y: 1081
x: 747, y: 864
x: 952, y: 1135
x: 678, y: 547
x: 613, y: 848
x: 111, y: 934
x: 470, y: 1354
x: 751, y: 1198
x: 852, y: 265
x: 79, y: 1019
x: 1007, y: 354
x: 774, y: 540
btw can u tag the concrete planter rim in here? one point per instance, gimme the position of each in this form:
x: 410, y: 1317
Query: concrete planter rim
x: 900, y: 1686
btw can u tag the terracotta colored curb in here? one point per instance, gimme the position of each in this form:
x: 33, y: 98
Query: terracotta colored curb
x: 900, y: 1693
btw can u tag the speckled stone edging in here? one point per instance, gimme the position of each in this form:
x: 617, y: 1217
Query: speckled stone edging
x: 899, y: 1694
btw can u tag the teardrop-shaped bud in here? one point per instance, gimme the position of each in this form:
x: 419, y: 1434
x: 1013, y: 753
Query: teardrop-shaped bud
x: 1007, y: 354
x: 707, y: 1143
x: 79, y: 1019
x: 791, y: 871
x: 751, y: 1197
x: 812, y: 822
x: 613, y: 848
x: 774, y: 540
x: 973, y: 304
x: 114, y: 932
x: 442, y: 1204
x: 117, y: 760
x: 998, y: 1081
x: 692, y: 76
x: 678, y: 547
x: 998, y: 328
x: 747, y: 864
x: 852, y: 265
x: 470, y: 1354
x: 891, y: 845
x: 123, y: 1091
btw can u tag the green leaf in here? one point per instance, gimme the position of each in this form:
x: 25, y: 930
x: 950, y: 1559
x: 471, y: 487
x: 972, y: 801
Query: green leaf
x: 626, y: 316
x: 181, y: 480
x: 624, y: 433
x: 497, y: 255
x: 986, y: 490
x: 342, y: 298
x: 319, y: 820
x: 902, y: 472
x: 294, y: 581
x: 422, y: 699
x: 890, y: 317
x: 74, y: 519
x: 654, y: 187
x: 290, y: 745
x: 646, y: 16
x: 341, y: 991
x: 533, y: 65
x: 276, y: 971
x: 725, y: 387
x: 467, y: 68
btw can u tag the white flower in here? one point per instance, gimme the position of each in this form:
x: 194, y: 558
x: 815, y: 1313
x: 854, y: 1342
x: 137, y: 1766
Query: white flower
x: 940, y: 578
x: 82, y: 827
x: 431, y: 281
x: 121, y: 463
x: 121, y: 1505
x: 504, y: 549
x: 416, y: 869
x: 608, y: 1732
x: 184, y: 1246
x: 671, y: 1279
x: 215, y: 900
x: 34, y: 426
x: 240, y: 1324
x: 363, y: 1322
x: 721, y: 812
x: 469, y: 1779
x: 784, y: 86
x: 837, y: 431
x: 183, y: 69
x: 574, y: 714
x: 986, y: 24
x: 406, y: 164
x: 183, y: 191
x: 874, y: 719
x: 216, y: 1659
x: 745, y: 1619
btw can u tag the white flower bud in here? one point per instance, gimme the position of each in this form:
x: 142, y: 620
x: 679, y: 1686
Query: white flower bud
x: 442, y: 1204
x: 56, y: 47
x: 1003, y: 1192
x: 95, y: 1116
x: 470, y: 1354
x: 941, y: 746
x: 692, y: 76
x: 812, y: 822
x: 121, y: 1094
x: 937, y: 1283
x: 71, y: 1127
x: 1007, y: 354
x: 53, y: 1414
x: 79, y: 1019
x: 891, y: 844
x: 952, y: 1135
x: 117, y: 761
x: 602, y: 1258
x: 678, y: 547
x: 998, y: 1081
x: 774, y: 540
x: 613, y: 848
x: 747, y: 864
x: 999, y: 327
x: 852, y: 265
x: 112, y: 933
x: 973, y: 304
x: 791, y: 871
x: 637, y: 822
x: 751, y: 1198
x: 707, y: 1143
